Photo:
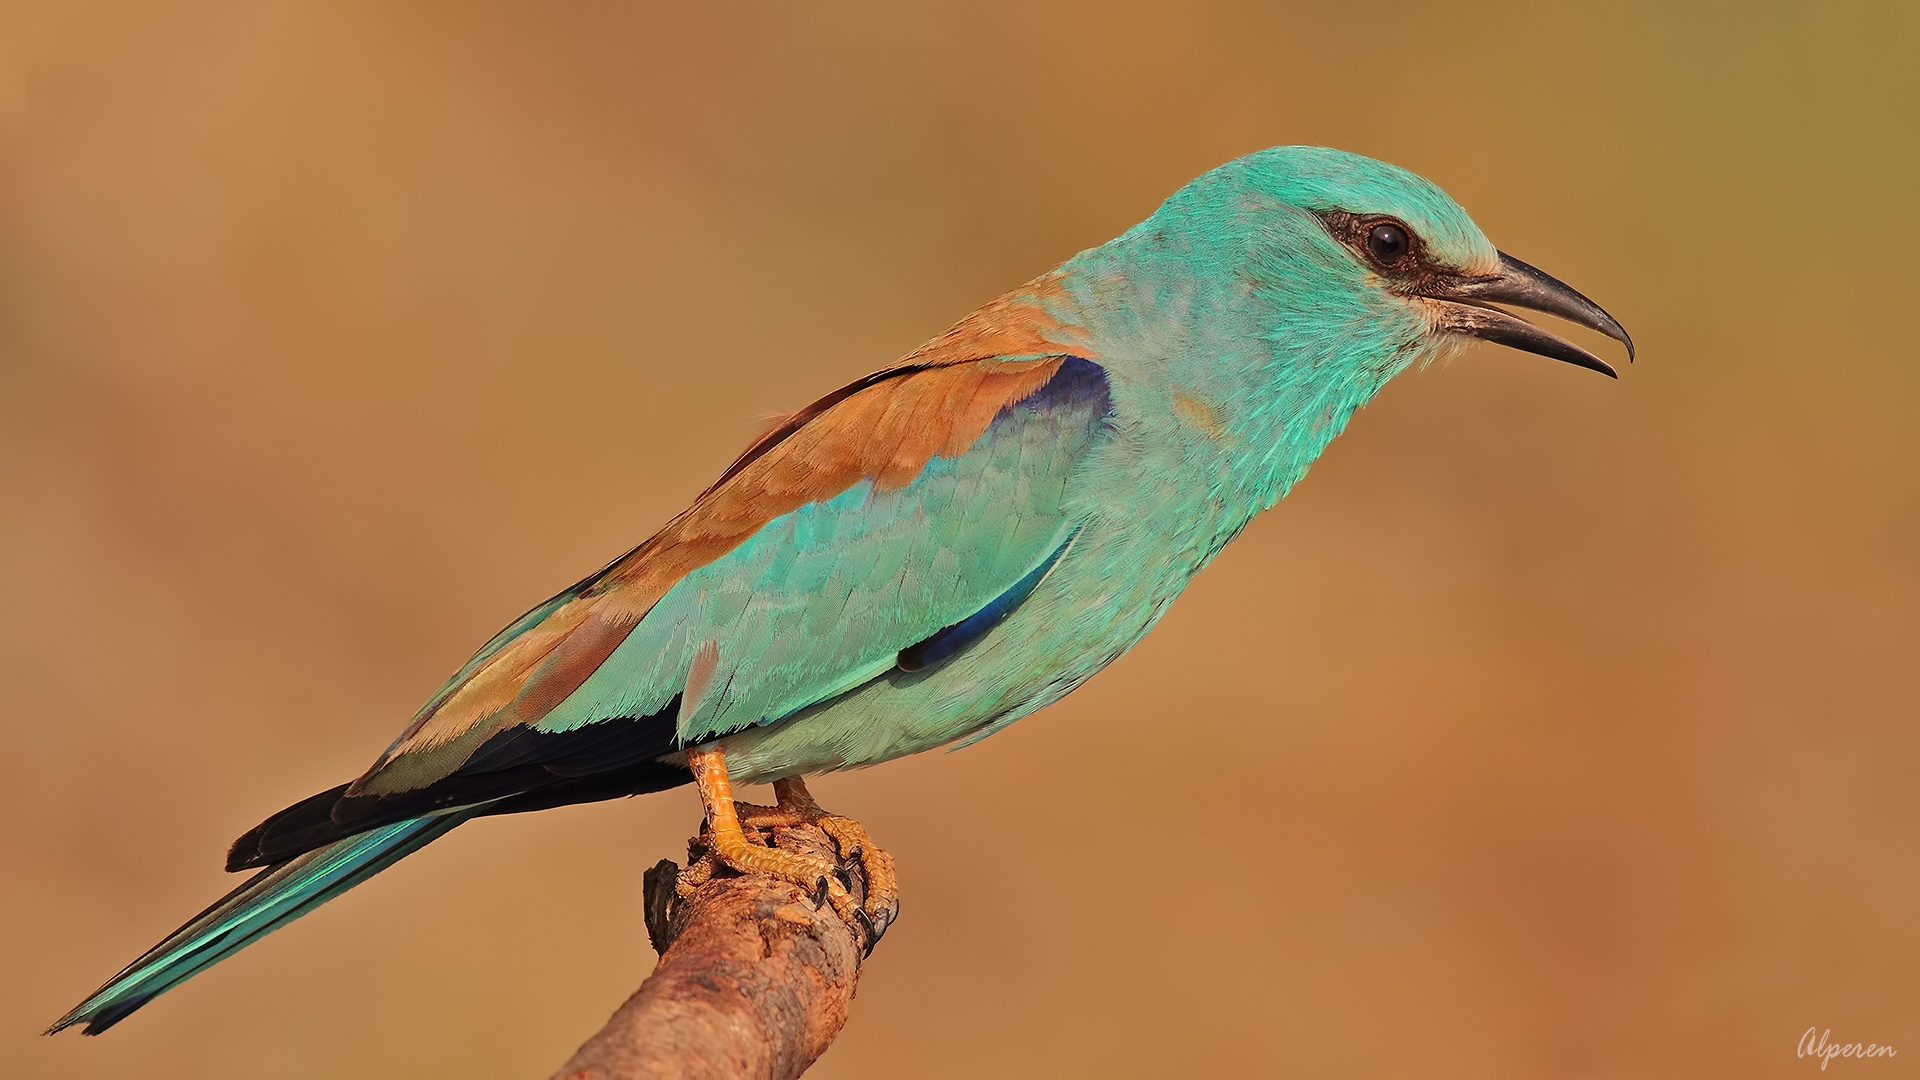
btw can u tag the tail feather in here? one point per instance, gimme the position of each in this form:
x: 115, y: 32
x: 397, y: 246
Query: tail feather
x: 267, y: 901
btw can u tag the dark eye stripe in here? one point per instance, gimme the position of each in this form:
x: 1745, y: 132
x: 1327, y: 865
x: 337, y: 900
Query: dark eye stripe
x: 1383, y: 242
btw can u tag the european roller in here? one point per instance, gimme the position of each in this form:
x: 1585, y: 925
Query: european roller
x: 931, y: 552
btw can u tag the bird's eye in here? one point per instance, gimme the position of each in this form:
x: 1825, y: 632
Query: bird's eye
x: 1387, y: 243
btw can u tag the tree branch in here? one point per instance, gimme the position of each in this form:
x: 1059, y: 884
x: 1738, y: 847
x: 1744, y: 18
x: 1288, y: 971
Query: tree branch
x: 754, y: 980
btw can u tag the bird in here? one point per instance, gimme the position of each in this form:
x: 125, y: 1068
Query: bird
x: 935, y: 550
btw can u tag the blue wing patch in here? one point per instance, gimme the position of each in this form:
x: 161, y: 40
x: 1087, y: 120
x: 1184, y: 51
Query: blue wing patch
x: 949, y: 642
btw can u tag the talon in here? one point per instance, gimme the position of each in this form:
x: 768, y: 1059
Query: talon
x: 738, y: 844
x: 734, y: 839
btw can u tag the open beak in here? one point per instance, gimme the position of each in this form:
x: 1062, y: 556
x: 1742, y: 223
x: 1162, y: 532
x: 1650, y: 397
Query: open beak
x: 1466, y: 307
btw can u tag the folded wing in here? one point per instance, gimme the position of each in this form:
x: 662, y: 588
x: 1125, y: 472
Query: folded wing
x: 893, y: 512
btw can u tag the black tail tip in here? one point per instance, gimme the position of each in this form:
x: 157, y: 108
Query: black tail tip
x: 245, y: 852
x: 99, y: 1020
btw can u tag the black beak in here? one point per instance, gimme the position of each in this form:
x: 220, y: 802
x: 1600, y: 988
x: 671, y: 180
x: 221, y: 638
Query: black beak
x: 1467, y: 308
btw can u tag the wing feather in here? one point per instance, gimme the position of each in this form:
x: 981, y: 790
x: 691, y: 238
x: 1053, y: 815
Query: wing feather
x: 867, y: 522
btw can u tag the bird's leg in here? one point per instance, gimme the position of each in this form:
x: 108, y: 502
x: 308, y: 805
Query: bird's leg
x: 796, y: 807
x: 728, y: 844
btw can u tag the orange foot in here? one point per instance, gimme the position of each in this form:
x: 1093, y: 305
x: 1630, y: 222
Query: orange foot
x: 728, y: 844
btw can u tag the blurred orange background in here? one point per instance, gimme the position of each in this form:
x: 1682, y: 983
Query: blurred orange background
x: 1572, y: 723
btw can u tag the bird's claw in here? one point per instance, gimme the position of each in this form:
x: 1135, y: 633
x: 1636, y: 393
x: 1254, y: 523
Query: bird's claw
x: 815, y: 875
x: 825, y: 882
x: 852, y: 841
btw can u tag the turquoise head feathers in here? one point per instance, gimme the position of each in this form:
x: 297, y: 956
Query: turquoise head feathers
x: 1276, y: 294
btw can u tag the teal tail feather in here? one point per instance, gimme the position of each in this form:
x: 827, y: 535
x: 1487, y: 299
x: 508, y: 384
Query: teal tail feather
x: 269, y: 900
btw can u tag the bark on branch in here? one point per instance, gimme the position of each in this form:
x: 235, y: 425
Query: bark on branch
x: 754, y: 980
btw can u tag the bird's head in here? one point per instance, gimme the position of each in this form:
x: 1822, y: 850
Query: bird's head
x: 1369, y: 261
